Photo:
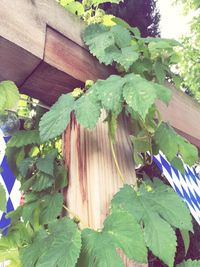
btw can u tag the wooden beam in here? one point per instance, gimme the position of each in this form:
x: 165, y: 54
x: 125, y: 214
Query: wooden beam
x: 92, y: 174
x: 183, y: 113
x: 42, y: 51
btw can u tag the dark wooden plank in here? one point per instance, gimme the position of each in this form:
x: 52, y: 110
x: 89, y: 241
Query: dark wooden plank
x: 68, y: 56
x: 16, y: 63
x: 49, y: 83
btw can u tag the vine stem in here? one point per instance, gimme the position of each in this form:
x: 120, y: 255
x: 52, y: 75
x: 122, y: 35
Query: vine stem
x: 75, y: 216
x: 116, y: 162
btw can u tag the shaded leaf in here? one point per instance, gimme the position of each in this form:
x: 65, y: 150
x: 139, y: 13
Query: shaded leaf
x: 59, y: 247
x: 54, y: 122
x: 139, y: 94
x: 171, y: 144
x: 9, y: 96
x: 52, y: 206
x: 3, y: 199
x: 87, y: 111
x: 23, y: 138
x: 127, y: 235
x: 98, y: 250
x: 46, y: 164
x: 189, y: 263
x: 109, y: 95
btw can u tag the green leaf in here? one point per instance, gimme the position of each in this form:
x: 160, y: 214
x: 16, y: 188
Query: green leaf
x: 160, y: 238
x: 9, y: 96
x: 3, y: 200
x: 127, y: 57
x: 124, y: 200
x: 110, y: 44
x: 10, y: 253
x: 140, y: 142
x: 59, y: 247
x: 160, y: 72
x: 29, y: 255
x: 98, y: 38
x: 186, y: 239
x: 75, y: 7
x: 127, y: 235
x: 122, y: 36
x: 20, y: 157
x: 171, y: 144
x: 178, y: 164
x: 25, y: 166
x: 112, y: 125
x: 189, y: 263
x: 46, y: 164
x: 87, y: 111
x: 159, y: 208
x: 54, y: 122
x: 109, y: 95
x: 139, y: 94
x: 60, y: 177
x: 98, y: 250
x: 42, y: 181
x: 98, y: 2
x: 23, y: 138
x: 52, y: 206
x: 163, y: 93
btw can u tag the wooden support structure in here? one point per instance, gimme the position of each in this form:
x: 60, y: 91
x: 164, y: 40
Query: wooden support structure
x: 42, y: 51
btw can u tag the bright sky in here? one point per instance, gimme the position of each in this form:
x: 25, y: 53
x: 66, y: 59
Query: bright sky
x: 173, y: 23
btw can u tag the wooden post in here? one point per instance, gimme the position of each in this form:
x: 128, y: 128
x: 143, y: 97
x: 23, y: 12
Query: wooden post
x: 93, y: 176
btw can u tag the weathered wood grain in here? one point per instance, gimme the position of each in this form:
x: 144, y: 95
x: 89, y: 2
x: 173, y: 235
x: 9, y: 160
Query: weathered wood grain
x: 92, y: 172
x: 71, y: 58
x: 15, y: 62
x: 93, y: 177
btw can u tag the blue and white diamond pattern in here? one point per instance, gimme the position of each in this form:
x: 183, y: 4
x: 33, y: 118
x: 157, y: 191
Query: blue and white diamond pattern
x: 10, y: 184
x: 186, y: 185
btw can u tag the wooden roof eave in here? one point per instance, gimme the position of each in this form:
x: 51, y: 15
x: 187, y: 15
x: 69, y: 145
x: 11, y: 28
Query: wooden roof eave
x: 42, y: 51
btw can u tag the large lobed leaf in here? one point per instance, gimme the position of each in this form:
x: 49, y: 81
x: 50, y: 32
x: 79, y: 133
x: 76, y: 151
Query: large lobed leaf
x: 159, y: 208
x: 111, y: 44
x: 98, y: 250
x: 60, y: 246
x: 120, y: 231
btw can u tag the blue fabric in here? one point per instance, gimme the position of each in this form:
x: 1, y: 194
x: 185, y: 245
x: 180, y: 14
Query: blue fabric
x: 186, y: 185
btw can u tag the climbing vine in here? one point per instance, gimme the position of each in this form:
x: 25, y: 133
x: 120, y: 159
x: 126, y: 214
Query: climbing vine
x: 142, y: 217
